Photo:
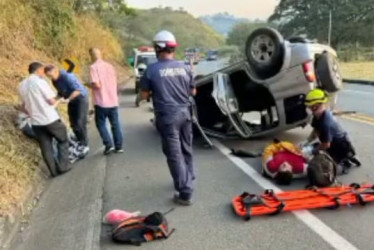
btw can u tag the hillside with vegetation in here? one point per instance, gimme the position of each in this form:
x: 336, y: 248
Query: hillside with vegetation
x: 47, y: 31
x: 51, y: 30
x: 140, y: 28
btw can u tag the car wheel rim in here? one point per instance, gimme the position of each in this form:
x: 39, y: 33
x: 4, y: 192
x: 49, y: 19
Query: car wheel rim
x: 262, y: 49
x: 335, y: 69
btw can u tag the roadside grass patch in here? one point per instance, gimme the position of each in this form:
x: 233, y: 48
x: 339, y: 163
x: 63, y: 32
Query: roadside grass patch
x: 358, y: 70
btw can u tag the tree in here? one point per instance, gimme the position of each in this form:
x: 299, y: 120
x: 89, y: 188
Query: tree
x: 352, y: 20
x: 240, y: 32
x: 115, y: 6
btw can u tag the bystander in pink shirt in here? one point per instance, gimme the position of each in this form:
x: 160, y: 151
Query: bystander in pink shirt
x: 106, y: 96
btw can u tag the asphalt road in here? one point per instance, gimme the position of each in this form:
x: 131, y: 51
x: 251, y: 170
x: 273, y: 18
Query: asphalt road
x: 69, y: 213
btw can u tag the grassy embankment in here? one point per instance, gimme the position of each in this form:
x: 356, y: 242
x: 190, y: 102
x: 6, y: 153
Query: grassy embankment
x: 36, y: 30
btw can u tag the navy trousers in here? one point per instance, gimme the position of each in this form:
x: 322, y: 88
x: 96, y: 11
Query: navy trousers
x: 175, y: 129
x: 78, y: 114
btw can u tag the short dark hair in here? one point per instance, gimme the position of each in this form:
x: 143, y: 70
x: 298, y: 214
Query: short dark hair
x: 34, y: 66
x: 284, y: 178
x: 49, y: 68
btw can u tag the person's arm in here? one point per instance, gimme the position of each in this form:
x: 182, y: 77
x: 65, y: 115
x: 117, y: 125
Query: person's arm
x: 74, y: 84
x: 324, y: 146
x: 192, y: 82
x: 325, y: 137
x: 193, y: 92
x: 21, y: 107
x: 49, y: 94
x: 74, y: 95
x: 94, y: 78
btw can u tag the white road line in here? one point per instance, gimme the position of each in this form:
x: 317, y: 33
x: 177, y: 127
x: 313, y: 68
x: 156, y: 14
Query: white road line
x: 358, y: 92
x: 320, y: 228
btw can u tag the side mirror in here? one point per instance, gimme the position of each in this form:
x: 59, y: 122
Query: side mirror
x: 131, y: 61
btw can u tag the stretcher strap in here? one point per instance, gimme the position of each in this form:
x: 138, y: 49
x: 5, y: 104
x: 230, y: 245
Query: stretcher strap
x: 250, y: 200
x: 281, y: 205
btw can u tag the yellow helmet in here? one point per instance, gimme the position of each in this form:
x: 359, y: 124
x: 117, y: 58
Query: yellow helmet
x: 316, y: 96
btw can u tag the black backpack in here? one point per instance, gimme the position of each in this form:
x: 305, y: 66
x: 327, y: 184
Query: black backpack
x: 138, y: 230
x: 322, y: 170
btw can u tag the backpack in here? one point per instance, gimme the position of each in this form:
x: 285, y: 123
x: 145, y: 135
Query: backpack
x: 137, y: 230
x: 322, y: 170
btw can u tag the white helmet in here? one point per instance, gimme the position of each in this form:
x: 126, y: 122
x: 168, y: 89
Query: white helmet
x: 165, y: 39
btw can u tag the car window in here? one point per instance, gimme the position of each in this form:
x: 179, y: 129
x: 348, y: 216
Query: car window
x: 147, y: 60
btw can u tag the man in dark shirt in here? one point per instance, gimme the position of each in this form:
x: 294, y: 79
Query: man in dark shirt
x: 333, y: 138
x: 75, y: 94
x: 171, y: 84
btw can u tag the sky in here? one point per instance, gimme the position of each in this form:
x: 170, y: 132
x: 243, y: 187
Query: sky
x: 251, y: 9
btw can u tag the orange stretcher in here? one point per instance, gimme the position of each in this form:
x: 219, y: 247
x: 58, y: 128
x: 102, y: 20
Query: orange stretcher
x: 270, y: 203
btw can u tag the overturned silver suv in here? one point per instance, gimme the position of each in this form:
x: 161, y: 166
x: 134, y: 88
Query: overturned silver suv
x: 264, y: 94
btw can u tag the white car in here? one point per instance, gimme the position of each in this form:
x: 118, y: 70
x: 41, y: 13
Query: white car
x: 264, y: 94
x: 142, y: 58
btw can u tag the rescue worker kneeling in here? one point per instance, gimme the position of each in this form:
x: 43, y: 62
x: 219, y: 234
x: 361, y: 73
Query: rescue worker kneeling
x: 333, y: 139
x: 283, y: 161
x: 171, y: 83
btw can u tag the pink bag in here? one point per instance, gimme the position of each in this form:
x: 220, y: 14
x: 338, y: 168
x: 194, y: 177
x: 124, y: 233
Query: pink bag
x: 116, y: 216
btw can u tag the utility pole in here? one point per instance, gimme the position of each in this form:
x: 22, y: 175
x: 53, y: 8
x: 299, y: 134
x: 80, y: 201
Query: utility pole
x: 330, y: 27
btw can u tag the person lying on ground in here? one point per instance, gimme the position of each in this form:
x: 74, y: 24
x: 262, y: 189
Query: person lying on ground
x: 283, y: 161
x: 76, y: 95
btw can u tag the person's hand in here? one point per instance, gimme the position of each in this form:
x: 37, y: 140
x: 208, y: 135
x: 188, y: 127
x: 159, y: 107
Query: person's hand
x: 57, y: 102
x: 18, y: 107
x: 65, y: 101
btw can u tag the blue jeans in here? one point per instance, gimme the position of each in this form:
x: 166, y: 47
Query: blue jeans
x: 101, y: 115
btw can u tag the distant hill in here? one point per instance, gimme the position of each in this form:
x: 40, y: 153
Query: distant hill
x: 189, y: 31
x: 222, y: 22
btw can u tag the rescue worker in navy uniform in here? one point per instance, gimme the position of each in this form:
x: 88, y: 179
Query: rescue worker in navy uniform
x: 333, y: 138
x: 171, y: 84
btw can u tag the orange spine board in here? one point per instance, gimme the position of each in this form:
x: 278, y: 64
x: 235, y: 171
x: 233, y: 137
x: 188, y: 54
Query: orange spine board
x: 304, y: 199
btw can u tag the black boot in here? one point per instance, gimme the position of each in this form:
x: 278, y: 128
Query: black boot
x: 355, y: 161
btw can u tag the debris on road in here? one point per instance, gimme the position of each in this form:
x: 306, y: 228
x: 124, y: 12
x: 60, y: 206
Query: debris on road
x: 116, y: 216
x: 270, y: 203
x: 243, y: 153
x: 141, y: 229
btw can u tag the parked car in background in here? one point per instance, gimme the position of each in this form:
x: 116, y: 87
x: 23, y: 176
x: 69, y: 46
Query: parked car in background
x: 192, y: 55
x: 264, y: 93
x: 142, y: 57
x: 212, y: 55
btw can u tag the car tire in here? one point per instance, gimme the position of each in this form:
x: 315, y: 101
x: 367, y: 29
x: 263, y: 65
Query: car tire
x: 328, y: 73
x: 265, y: 52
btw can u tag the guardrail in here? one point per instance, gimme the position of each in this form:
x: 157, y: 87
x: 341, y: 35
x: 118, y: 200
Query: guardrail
x: 362, y: 82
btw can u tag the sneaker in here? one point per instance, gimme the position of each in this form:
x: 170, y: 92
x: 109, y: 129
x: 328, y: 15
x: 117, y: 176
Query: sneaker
x: 355, y: 161
x: 108, y: 150
x: 178, y: 200
x: 73, y: 160
x: 119, y: 151
x: 85, y: 150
